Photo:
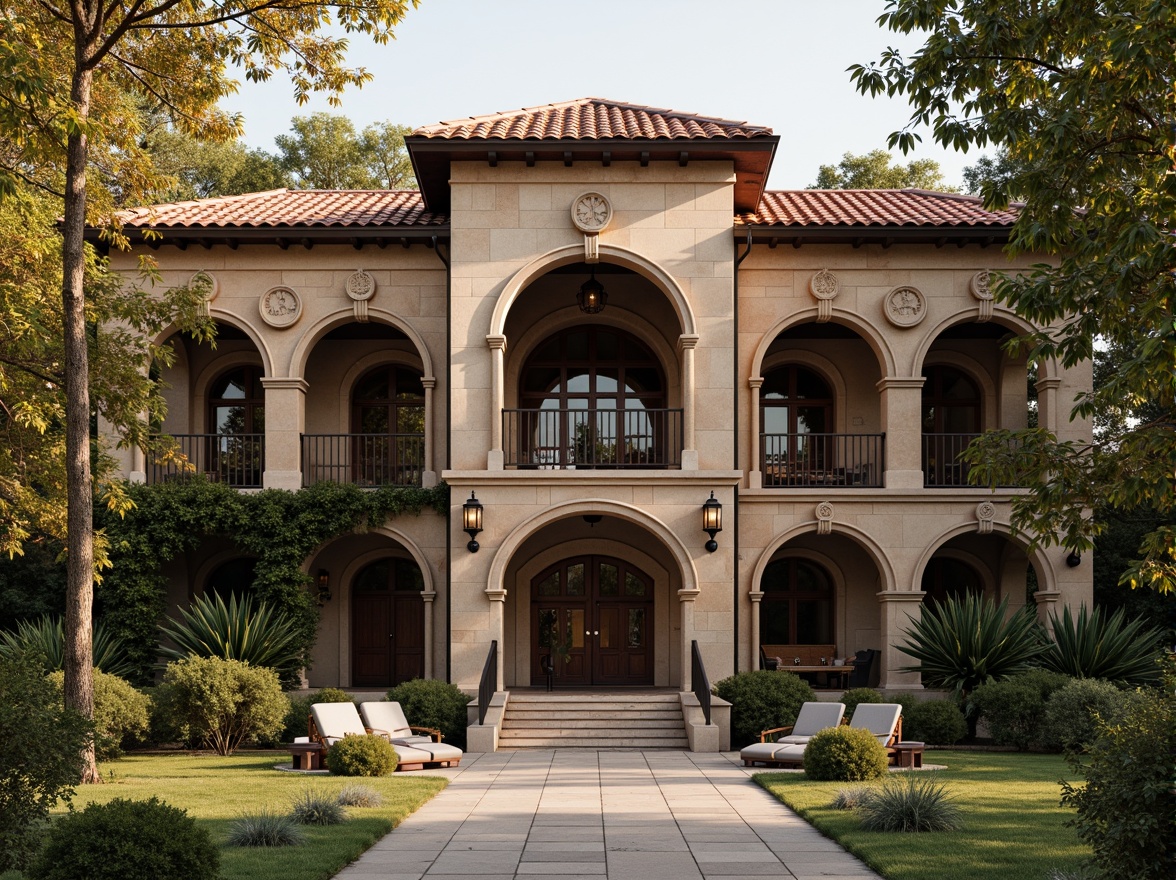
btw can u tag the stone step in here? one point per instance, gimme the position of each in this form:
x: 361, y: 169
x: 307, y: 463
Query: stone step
x: 530, y: 714
x: 573, y: 706
x: 538, y: 720
x: 584, y: 722
x: 592, y: 743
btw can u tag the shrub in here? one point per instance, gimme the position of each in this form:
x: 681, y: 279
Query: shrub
x: 265, y: 828
x: 854, y: 696
x: 367, y: 755
x: 962, y: 643
x: 237, y: 631
x: 44, y: 637
x: 299, y: 711
x: 760, y: 700
x: 910, y: 802
x: 312, y: 807
x: 127, y: 840
x: 432, y: 703
x: 1014, y: 708
x: 1069, y: 721
x: 121, y: 713
x: 844, y: 754
x: 1112, y: 647
x: 40, y: 756
x: 360, y: 796
x: 221, y: 702
x: 850, y: 798
x: 1126, y: 811
x: 936, y: 722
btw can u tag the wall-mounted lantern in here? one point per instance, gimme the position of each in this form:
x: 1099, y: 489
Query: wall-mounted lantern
x: 712, y: 521
x: 1073, y: 560
x: 471, y: 521
x: 592, y: 298
x: 324, y: 586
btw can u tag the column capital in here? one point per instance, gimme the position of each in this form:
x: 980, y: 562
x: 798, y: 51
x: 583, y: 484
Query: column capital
x: 755, y: 382
x: 428, y: 596
x: 283, y: 383
x: 496, y: 341
x: 756, y: 595
x: 498, y: 595
x: 688, y: 595
x: 687, y: 341
x: 888, y: 382
x: 900, y: 596
x: 1049, y: 383
x: 429, y: 381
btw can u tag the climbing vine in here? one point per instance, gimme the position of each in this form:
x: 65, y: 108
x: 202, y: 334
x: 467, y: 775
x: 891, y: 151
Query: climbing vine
x: 280, y: 528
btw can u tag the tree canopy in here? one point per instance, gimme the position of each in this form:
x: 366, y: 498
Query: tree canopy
x: 1078, y: 95
x: 323, y: 151
x: 878, y: 170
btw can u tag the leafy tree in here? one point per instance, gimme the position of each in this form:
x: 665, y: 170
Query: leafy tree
x: 387, y: 156
x: 70, y: 79
x: 324, y: 151
x: 205, y: 169
x: 877, y: 170
x: 998, y: 170
x: 1078, y: 95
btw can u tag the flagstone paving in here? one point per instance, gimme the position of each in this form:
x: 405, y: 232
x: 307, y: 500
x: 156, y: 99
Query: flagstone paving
x: 604, y: 815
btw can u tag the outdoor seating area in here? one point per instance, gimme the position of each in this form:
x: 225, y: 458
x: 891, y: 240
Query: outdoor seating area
x: 416, y: 747
x: 883, y: 720
x: 817, y: 664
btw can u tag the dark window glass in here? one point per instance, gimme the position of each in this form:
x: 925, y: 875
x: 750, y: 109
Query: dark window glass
x: 797, y: 608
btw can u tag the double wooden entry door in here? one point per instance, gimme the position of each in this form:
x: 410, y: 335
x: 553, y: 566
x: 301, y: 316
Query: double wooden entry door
x: 593, y: 616
x: 387, y: 624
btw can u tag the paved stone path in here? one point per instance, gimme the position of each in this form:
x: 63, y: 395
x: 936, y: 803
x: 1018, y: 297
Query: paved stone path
x: 621, y: 815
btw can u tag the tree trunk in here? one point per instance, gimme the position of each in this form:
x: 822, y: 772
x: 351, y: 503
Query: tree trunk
x: 79, y: 596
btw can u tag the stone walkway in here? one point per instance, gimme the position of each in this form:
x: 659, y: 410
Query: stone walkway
x: 621, y: 815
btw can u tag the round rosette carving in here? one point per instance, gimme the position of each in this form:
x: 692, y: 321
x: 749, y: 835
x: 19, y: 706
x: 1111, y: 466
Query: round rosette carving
x: 360, y: 286
x: 207, y: 282
x: 905, y: 306
x: 591, y: 212
x: 985, y: 510
x: 981, y: 285
x: 824, y: 285
x: 280, y: 307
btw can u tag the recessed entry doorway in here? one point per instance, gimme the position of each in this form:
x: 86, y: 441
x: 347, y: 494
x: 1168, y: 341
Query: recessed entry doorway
x: 387, y: 624
x: 593, y: 616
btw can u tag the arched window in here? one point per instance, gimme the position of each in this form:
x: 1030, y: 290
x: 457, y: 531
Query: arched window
x: 234, y: 577
x: 945, y: 576
x: 593, y: 396
x: 388, y: 417
x: 796, y: 424
x: 951, y: 420
x: 797, y: 608
x: 236, y: 421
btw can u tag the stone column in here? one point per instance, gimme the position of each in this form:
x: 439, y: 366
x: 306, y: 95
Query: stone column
x: 686, y: 345
x: 757, y: 597
x: 902, y: 422
x: 498, y: 630
x: 494, y: 458
x: 429, y: 477
x: 138, y: 472
x: 756, y: 477
x: 1047, y: 603
x: 686, y: 603
x: 428, y: 597
x: 899, y: 610
x: 285, y: 420
x: 1047, y: 403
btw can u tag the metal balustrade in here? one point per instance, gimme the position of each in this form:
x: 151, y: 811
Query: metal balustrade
x: 237, y: 460
x: 810, y: 460
x: 363, y: 459
x: 558, y: 439
x: 942, y: 465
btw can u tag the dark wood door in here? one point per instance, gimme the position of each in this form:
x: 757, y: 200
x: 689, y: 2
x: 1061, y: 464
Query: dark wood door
x: 593, y: 616
x: 387, y: 624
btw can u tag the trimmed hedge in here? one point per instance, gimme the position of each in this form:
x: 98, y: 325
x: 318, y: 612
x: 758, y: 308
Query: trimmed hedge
x: 844, y: 754
x: 366, y: 755
x: 760, y: 700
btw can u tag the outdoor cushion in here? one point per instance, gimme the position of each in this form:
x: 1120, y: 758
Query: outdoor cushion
x: 878, y: 718
x: 813, y: 717
x: 773, y: 753
x: 333, y: 721
x: 387, y: 715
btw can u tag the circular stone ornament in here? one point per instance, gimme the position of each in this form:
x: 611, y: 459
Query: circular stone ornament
x: 981, y: 285
x: 360, y: 286
x: 280, y: 307
x: 208, y: 281
x: 591, y: 212
x: 905, y: 306
x: 824, y: 285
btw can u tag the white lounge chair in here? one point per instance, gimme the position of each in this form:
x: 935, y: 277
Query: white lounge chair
x: 884, y: 720
x: 813, y: 717
x: 388, y: 716
x: 330, y: 722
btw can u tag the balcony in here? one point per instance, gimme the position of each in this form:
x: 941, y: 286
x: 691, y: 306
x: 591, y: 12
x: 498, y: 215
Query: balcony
x: 367, y: 460
x: 806, y: 460
x: 237, y: 460
x: 942, y: 465
x: 578, y: 439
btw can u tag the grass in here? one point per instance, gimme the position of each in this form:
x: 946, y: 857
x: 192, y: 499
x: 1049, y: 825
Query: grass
x: 1013, y: 826
x: 216, y: 790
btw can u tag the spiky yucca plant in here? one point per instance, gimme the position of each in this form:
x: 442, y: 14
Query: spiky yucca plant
x: 962, y: 643
x: 258, y: 636
x: 1109, y: 647
x: 45, y: 637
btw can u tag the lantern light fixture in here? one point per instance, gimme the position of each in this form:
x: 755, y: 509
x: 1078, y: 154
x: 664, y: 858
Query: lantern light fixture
x: 1073, y: 560
x: 712, y: 521
x: 471, y: 520
x: 592, y: 299
x: 324, y: 586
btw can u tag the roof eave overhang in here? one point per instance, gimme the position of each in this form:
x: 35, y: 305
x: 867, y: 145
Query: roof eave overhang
x: 358, y: 237
x: 752, y: 157
x: 940, y: 236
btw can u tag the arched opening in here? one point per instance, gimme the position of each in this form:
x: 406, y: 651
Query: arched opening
x: 948, y: 577
x: 234, y: 577
x: 796, y: 415
x: 387, y: 623
x: 798, y: 604
x: 388, y: 427
x: 592, y: 396
x: 236, y: 423
x: 951, y: 415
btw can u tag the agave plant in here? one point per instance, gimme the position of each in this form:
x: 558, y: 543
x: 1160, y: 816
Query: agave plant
x: 45, y: 636
x: 1111, y: 647
x: 962, y: 643
x: 260, y: 636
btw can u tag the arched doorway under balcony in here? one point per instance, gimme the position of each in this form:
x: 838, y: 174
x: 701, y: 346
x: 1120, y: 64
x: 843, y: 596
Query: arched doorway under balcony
x: 952, y: 418
x: 387, y: 623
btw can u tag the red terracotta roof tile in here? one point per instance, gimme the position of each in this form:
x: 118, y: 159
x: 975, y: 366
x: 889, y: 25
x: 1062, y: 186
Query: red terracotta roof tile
x: 289, y: 207
x: 873, y: 207
x: 590, y: 119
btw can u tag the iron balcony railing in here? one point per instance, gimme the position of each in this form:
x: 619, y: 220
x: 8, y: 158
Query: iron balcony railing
x: 237, y: 460
x: 803, y: 459
x: 942, y: 465
x: 363, y: 459
x: 592, y: 438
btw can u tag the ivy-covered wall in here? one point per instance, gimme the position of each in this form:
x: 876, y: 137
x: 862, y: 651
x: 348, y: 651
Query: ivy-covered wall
x: 280, y: 528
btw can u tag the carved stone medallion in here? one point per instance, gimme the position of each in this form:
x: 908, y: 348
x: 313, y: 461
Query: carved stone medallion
x: 591, y: 213
x: 985, y: 514
x: 905, y: 306
x: 360, y: 285
x: 280, y: 307
x: 208, y: 281
x: 824, y: 286
x: 824, y: 513
x: 981, y: 288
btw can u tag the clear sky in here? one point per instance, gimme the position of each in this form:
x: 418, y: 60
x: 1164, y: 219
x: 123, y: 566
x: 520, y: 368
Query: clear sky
x: 780, y: 63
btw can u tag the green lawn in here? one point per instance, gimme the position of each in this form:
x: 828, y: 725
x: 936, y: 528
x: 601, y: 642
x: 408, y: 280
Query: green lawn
x: 1014, y: 828
x: 215, y: 790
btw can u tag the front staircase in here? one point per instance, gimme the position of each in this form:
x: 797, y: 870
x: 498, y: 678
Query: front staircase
x: 593, y: 720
